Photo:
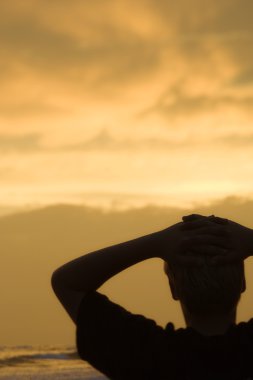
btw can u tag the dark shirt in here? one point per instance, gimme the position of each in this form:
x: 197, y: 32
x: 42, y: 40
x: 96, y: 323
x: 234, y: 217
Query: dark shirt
x: 123, y: 345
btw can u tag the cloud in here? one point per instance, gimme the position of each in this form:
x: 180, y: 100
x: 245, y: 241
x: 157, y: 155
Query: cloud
x: 46, y: 63
x: 22, y: 109
x: 57, y: 52
x: 244, y: 78
x: 176, y: 101
x: 103, y: 46
x: 6, y: 172
x: 22, y: 143
x: 115, y: 46
x: 237, y: 140
x: 104, y: 141
x: 112, y: 43
x: 220, y: 17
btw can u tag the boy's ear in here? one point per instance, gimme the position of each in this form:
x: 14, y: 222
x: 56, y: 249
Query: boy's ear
x: 173, y: 290
x: 243, y: 285
x: 165, y: 268
x: 171, y: 283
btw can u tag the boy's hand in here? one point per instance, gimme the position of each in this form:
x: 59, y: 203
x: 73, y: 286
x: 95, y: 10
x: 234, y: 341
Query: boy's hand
x: 239, y: 238
x: 212, y: 218
x: 182, y: 246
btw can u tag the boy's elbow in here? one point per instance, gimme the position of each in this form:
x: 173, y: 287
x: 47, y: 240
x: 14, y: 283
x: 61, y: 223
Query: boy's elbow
x: 57, y: 280
x: 70, y: 299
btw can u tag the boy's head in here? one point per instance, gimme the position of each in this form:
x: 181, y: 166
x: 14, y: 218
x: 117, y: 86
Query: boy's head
x: 207, y: 291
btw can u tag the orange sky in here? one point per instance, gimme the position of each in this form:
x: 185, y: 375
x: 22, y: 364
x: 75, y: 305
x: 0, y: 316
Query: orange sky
x: 121, y: 104
x: 117, y: 104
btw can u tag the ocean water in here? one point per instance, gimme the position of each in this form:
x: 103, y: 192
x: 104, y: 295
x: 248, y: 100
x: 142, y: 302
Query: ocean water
x: 44, y: 362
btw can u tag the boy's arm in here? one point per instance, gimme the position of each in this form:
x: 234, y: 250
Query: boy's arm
x: 87, y: 273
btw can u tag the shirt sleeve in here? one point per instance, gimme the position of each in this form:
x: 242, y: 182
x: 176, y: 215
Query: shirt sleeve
x: 114, y: 341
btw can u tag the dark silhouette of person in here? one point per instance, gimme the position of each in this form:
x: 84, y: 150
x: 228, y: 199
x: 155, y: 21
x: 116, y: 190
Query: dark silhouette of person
x: 204, y: 262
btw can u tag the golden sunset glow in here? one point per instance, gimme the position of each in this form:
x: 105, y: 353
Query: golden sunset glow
x: 118, y: 105
x: 124, y: 101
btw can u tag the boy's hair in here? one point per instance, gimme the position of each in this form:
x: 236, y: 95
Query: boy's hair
x: 208, y: 290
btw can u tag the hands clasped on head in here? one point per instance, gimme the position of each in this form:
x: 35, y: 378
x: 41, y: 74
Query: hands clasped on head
x: 213, y: 239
